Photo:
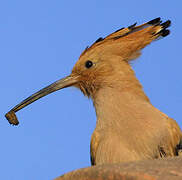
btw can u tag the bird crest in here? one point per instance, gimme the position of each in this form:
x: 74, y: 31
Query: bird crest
x: 140, y: 35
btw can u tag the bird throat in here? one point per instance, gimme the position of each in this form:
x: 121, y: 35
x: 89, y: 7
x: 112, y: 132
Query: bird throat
x: 114, y: 106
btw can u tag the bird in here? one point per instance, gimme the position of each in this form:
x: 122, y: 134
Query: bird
x: 128, y: 127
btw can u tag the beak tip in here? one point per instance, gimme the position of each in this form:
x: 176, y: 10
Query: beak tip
x: 11, y: 117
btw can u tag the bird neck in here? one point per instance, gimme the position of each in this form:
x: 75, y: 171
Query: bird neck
x: 115, y: 105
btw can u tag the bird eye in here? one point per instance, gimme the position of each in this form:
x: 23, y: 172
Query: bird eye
x: 88, y: 64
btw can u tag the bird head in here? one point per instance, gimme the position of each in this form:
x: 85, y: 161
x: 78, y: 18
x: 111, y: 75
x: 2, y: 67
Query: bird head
x: 94, y: 70
x: 104, y: 64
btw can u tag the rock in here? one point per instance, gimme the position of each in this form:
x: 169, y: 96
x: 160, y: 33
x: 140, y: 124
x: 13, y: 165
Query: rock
x: 160, y: 169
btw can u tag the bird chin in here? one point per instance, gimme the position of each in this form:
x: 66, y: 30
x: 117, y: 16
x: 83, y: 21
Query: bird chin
x: 84, y: 89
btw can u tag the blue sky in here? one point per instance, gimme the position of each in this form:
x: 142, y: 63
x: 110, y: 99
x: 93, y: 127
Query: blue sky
x: 40, y: 41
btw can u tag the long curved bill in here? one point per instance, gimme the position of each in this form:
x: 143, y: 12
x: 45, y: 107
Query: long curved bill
x: 60, y: 84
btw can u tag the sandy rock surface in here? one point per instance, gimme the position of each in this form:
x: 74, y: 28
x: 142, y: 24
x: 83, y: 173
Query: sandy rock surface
x: 161, y: 169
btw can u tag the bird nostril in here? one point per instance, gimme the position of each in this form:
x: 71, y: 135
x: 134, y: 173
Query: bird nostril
x: 88, y: 64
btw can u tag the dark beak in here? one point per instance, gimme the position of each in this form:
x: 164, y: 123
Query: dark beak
x: 60, y: 84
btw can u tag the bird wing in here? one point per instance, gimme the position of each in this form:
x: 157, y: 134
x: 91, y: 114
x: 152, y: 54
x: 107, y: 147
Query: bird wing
x: 93, y: 147
x: 176, y: 136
